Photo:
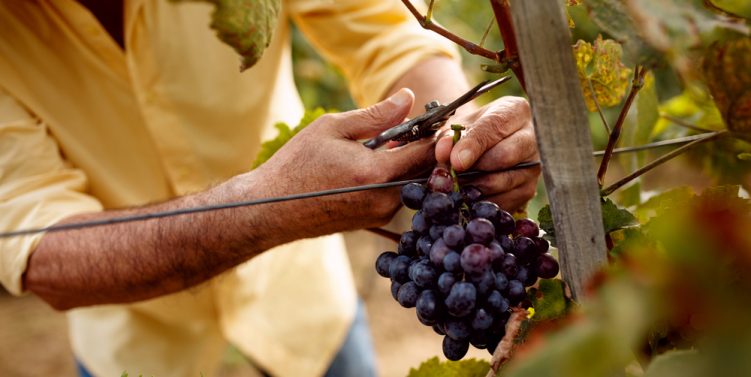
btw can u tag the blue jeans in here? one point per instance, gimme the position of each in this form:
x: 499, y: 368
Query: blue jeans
x: 355, y: 358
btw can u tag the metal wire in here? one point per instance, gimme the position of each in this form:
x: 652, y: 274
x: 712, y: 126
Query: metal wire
x: 222, y: 206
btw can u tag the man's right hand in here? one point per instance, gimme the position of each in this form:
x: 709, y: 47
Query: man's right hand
x: 327, y: 154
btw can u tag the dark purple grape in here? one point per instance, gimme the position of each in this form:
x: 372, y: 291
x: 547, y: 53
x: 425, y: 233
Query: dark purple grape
x: 413, y: 195
x: 482, y: 320
x: 454, y: 349
x: 480, y: 230
x: 438, y: 252
x: 506, y: 243
x: 542, y: 245
x: 427, y: 305
x: 452, y: 262
x: 525, y: 249
x: 423, y: 245
x: 407, y: 294
x: 436, y: 231
x: 457, y: 329
x: 546, y: 266
x: 509, y: 265
x: 501, y: 282
x: 425, y: 275
x: 475, y: 258
x: 496, y: 303
x: 522, y: 274
x: 437, y: 207
x: 531, y: 277
x: 493, y: 343
x: 453, y: 236
x: 484, y: 282
x: 496, y: 253
x: 408, y: 243
x: 516, y: 291
x: 445, y: 281
x: 505, y: 225
x: 486, y: 210
x: 425, y: 321
x: 419, y: 223
x: 526, y: 228
x: 479, y: 339
x: 383, y: 263
x: 457, y: 197
x: 438, y: 328
x: 440, y: 180
x: 470, y: 193
x: 395, y: 289
x: 399, y: 268
x: 461, y: 299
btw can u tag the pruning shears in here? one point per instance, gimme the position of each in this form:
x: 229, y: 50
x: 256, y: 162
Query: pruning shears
x: 434, y: 117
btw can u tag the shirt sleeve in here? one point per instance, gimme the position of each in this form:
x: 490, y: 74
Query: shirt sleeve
x: 37, y: 187
x: 374, y: 42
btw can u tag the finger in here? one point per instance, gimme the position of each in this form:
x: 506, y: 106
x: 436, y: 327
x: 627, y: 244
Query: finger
x: 443, y: 149
x: 506, y: 117
x: 514, y: 199
x: 504, y: 182
x: 519, y: 147
x: 408, y: 160
x: 372, y: 120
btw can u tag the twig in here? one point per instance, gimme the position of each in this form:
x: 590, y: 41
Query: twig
x: 505, y: 349
x: 385, y: 233
x: 636, y: 84
x: 684, y: 124
x: 485, y: 34
x: 472, y: 48
x: 659, y: 161
x: 597, y: 104
x: 510, y: 53
x: 657, y: 144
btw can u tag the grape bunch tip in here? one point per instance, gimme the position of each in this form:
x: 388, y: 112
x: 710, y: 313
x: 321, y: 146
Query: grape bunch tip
x: 464, y: 263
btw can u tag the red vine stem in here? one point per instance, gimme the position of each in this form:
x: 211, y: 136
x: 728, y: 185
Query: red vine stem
x: 385, y: 234
x: 505, y: 348
x: 636, y: 84
x: 502, y: 12
x: 472, y: 48
x: 659, y: 161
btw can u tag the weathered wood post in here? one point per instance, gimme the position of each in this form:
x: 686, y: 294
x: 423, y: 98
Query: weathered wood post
x: 563, y: 137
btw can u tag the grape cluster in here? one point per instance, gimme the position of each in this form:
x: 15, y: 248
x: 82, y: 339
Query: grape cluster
x: 464, y: 264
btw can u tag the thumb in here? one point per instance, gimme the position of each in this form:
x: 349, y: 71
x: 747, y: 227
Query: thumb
x: 372, y: 120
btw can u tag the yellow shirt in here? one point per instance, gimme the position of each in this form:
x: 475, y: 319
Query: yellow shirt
x: 86, y: 126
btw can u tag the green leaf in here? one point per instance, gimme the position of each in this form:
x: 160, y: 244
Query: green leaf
x: 741, y: 8
x: 612, y: 17
x: 464, y: 368
x: 545, y: 219
x: 615, y: 218
x: 600, y: 65
x: 268, y: 148
x: 549, y: 300
x: 246, y: 26
x: 678, y: 363
x: 726, y: 67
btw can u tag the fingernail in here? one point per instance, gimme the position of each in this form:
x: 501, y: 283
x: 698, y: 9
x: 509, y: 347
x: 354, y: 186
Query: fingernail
x: 465, y: 158
x: 401, y: 98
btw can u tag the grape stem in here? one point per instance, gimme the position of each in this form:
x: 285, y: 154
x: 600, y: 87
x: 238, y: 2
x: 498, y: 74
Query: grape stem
x: 505, y: 348
x: 385, y: 234
x: 659, y: 161
x: 457, y: 128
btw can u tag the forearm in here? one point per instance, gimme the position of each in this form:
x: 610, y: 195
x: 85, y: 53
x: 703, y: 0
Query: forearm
x: 144, y: 259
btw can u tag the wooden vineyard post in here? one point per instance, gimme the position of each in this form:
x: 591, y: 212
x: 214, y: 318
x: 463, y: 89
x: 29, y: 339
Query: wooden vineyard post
x: 563, y: 136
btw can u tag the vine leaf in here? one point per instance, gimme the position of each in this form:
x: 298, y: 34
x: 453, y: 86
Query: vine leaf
x: 677, y: 363
x: 464, y: 368
x: 726, y: 68
x: 740, y: 8
x: 600, y: 63
x: 268, y: 148
x: 549, y: 300
x: 245, y: 25
x: 613, y: 219
x: 612, y: 17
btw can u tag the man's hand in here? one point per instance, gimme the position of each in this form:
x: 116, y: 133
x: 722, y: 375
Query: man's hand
x: 329, y: 154
x: 499, y: 135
